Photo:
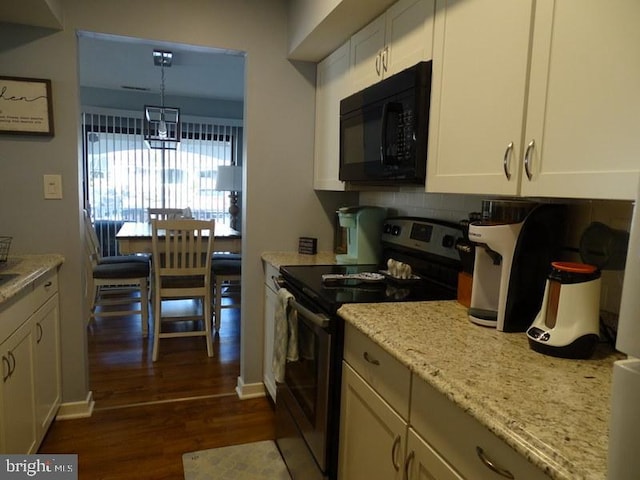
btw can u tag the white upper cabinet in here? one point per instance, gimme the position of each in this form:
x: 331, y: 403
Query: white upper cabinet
x: 584, y: 100
x: 332, y: 85
x: 478, y: 95
x: 392, y: 42
x: 552, y: 111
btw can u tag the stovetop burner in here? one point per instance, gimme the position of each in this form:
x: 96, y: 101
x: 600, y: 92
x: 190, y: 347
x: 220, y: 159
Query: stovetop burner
x: 427, y: 245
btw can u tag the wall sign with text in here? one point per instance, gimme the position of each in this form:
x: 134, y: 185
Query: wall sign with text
x: 25, y: 106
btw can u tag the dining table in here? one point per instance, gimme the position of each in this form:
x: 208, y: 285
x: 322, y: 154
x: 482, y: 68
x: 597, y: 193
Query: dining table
x: 135, y: 237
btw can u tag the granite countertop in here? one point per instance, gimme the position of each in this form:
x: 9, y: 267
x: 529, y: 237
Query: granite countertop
x: 27, y: 269
x: 277, y: 259
x: 553, y: 411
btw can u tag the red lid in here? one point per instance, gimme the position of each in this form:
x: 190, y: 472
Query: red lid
x: 574, y: 267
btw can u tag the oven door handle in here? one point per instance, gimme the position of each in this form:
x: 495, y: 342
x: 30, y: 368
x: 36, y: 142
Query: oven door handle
x: 278, y: 282
x: 318, y: 319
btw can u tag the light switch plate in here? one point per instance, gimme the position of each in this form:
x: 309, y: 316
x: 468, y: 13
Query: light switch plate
x: 53, y: 187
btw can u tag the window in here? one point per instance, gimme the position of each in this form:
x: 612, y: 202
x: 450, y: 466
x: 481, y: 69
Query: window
x: 123, y: 178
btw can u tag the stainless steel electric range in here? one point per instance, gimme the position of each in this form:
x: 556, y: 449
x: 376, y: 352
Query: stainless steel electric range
x: 308, y: 401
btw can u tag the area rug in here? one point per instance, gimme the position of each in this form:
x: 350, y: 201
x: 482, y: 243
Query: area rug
x: 249, y: 461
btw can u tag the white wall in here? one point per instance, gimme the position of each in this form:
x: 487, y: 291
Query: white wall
x: 280, y: 204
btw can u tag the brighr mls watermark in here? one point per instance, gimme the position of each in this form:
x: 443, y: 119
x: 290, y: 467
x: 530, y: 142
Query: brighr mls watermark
x: 39, y: 467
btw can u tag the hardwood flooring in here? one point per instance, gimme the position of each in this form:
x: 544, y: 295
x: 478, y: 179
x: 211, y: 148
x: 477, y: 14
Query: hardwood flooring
x: 147, y: 415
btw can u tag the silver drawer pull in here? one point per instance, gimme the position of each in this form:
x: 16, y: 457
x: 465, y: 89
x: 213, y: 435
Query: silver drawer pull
x: 370, y: 359
x: 48, y: 284
x: 491, y: 465
x: 394, y: 452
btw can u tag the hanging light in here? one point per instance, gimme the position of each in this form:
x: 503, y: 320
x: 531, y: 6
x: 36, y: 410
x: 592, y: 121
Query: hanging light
x: 161, y: 125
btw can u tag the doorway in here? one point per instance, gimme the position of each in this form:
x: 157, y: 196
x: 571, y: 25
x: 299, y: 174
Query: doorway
x: 121, y: 179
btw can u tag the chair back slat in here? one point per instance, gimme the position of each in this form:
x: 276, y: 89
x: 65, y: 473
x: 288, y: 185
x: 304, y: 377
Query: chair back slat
x: 183, y: 246
x: 92, y: 243
x: 167, y: 213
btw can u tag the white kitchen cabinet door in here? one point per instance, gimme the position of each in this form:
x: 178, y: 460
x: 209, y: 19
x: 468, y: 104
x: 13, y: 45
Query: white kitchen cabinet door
x: 584, y: 100
x: 372, y: 434
x: 270, y: 302
x: 480, y: 67
x: 396, y: 40
x: 332, y: 85
x: 18, y: 426
x: 366, y: 54
x: 424, y: 463
x: 408, y: 34
x: 46, y: 325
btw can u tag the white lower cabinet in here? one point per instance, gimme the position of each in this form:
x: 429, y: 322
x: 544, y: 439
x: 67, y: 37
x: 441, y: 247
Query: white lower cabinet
x: 46, y: 328
x: 394, y: 425
x: 422, y: 462
x: 18, y: 424
x: 270, y: 302
x: 30, y: 355
x: 465, y: 443
x: 372, y: 434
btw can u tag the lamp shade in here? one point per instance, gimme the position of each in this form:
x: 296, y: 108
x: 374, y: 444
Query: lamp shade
x: 229, y: 178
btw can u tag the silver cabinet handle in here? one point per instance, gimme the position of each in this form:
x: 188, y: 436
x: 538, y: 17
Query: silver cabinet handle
x: 527, y: 159
x: 385, y: 58
x: 407, y: 464
x: 503, y: 472
x: 12, y: 358
x: 394, y: 453
x: 7, y: 371
x: 378, y: 63
x: 48, y: 284
x: 39, y: 339
x: 506, y: 161
x: 370, y: 359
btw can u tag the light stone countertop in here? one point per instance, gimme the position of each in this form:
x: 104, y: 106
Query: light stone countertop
x: 277, y: 259
x: 553, y: 411
x: 27, y: 268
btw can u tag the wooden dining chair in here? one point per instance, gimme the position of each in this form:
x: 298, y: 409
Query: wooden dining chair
x: 226, y: 269
x: 167, y: 213
x: 182, y: 252
x: 111, y: 281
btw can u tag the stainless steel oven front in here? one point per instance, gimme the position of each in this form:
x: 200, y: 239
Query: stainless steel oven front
x: 303, y: 399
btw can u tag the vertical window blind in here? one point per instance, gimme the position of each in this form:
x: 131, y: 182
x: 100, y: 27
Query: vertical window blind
x: 123, y: 177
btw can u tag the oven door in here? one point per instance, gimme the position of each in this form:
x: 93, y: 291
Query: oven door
x: 303, y: 398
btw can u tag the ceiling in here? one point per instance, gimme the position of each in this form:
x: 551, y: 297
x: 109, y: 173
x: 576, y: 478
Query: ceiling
x: 126, y: 64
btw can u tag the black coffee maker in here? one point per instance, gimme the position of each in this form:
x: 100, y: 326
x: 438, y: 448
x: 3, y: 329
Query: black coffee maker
x: 515, y: 243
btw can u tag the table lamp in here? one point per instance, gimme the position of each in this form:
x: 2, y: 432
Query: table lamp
x: 229, y: 179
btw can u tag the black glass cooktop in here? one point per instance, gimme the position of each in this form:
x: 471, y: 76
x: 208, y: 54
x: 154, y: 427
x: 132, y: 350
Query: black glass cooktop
x: 307, y: 280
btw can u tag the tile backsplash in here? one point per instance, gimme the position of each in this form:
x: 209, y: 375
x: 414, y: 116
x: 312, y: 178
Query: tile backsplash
x: 615, y: 214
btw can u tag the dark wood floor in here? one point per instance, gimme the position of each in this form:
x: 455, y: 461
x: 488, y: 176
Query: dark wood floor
x: 147, y: 415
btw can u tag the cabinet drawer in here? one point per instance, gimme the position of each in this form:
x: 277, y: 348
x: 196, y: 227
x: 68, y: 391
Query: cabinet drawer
x: 456, y: 436
x: 17, y: 309
x: 390, y: 378
x: 45, y: 287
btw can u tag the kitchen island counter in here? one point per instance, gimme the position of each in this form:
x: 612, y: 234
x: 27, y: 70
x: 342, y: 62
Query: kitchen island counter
x: 553, y: 411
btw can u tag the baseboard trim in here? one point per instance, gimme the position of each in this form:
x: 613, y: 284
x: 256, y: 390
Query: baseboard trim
x: 246, y: 391
x: 73, y: 410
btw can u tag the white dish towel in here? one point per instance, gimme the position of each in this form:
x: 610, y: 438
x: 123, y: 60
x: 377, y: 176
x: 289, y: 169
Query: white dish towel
x: 285, y: 342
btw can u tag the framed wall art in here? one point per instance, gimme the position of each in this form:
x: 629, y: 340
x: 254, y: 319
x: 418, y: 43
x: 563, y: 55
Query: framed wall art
x: 25, y: 106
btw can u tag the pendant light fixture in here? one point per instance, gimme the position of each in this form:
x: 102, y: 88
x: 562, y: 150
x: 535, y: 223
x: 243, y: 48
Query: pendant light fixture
x: 161, y: 125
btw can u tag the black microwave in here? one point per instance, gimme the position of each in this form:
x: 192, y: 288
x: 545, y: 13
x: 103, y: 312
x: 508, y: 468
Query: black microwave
x: 384, y: 130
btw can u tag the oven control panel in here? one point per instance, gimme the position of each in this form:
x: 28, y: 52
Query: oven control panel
x: 437, y: 237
